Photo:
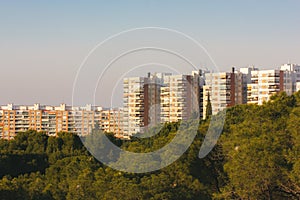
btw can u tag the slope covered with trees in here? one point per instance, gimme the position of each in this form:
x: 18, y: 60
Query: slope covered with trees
x: 256, y: 157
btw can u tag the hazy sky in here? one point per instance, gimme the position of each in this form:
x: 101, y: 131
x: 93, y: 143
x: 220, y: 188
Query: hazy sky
x: 43, y: 44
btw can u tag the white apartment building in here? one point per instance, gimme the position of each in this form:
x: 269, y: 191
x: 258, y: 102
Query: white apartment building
x: 133, y: 101
x: 247, y: 71
x: 264, y: 84
x: 180, y: 97
x: 141, y: 100
x: 159, y: 98
x: 225, y: 89
x: 291, y: 77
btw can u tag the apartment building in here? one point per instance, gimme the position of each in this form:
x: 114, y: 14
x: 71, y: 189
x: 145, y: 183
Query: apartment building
x: 264, y: 84
x: 180, y: 97
x: 152, y: 89
x: 133, y: 101
x: 291, y: 77
x: 81, y: 120
x: 156, y: 98
x: 159, y: 98
x: 224, y: 89
x: 141, y: 101
x: 53, y: 119
x: 111, y: 121
x: 247, y: 71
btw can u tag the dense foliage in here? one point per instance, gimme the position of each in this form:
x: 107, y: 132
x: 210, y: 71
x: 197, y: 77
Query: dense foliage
x: 257, y: 157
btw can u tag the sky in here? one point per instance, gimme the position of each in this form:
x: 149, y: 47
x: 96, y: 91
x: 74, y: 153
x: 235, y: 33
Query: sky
x: 43, y: 44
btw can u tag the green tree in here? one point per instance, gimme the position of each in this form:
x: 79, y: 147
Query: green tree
x: 208, y: 107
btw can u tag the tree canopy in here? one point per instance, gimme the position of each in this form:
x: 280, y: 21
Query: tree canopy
x: 256, y: 157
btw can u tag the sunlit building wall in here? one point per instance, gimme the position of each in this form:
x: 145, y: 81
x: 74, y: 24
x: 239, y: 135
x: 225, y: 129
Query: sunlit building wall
x: 225, y: 89
x: 264, y: 84
x: 54, y: 119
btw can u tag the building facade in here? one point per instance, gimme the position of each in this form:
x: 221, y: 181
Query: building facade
x: 159, y: 98
x: 133, y: 102
x: 264, y: 84
x: 291, y: 77
x: 224, y: 89
x: 141, y: 101
x: 54, y: 119
x: 111, y: 121
x: 180, y: 97
x: 154, y: 99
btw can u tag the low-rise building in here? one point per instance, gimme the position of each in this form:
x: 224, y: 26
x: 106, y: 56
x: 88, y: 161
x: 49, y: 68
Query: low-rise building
x: 53, y: 119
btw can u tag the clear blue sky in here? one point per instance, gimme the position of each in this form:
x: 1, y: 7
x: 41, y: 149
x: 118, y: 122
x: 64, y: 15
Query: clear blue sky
x: 43, y: 43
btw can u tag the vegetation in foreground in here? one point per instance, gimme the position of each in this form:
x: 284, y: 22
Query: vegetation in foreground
x: 257, y: 157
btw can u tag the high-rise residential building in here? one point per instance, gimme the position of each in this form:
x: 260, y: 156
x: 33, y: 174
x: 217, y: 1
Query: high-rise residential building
x: 200, y: 89
x: 180, y: 97
x: 289, y: 82
x: 225, y: 89
x: 141, y: 103
x: 291, y: 77
x: 247, y: 71
x: 153, y: 99
x: 133, y: 101
x: 264, y: 84
x: 159, y: 98
x: 53, y: 119
x: 240, y: 82
x: 247, y: 74
x: 152, y: 89
x: 293, y: 68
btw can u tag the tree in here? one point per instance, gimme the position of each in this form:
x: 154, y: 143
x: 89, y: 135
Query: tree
x: 256, y: 151
x: 256, y: 157
x: 208, y: 107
